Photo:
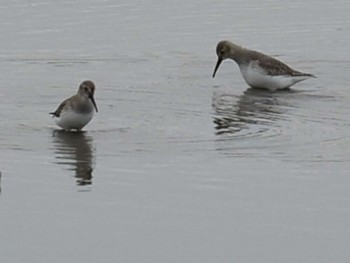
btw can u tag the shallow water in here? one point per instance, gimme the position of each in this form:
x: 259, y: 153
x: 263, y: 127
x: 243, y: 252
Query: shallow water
x: 175, y: 166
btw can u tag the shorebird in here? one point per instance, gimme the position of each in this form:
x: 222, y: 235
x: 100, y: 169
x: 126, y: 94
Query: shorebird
x: 259, y: 70
x: 77, y: 111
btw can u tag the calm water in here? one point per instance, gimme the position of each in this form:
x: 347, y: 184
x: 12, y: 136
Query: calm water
x: 175, y: 166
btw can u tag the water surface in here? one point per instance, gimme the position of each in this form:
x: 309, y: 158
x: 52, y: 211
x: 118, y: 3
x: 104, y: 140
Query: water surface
x: 175, y: 166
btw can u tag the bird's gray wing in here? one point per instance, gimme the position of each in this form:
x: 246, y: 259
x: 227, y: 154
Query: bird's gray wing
x: 274, y: 67
x: 57, y: 113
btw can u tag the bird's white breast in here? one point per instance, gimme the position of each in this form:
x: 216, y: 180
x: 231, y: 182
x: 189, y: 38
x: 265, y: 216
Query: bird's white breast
x: 258, y: 78
x: 72, y: 120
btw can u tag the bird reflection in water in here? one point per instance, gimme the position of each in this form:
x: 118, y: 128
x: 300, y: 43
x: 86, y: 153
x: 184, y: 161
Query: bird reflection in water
x: 234, y: 114
x: 74, y: 150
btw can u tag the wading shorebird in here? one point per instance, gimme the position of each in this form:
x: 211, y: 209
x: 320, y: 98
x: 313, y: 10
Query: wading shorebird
x: 259, y: 70
x: 77, y: 111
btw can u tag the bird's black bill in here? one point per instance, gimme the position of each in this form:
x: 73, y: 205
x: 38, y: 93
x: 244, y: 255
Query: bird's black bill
x: 217, y: 66
x: 93, y: 102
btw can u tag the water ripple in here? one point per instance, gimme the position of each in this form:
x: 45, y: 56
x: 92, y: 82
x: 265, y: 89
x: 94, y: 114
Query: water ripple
x: 74, y: 151
x: 294, y: 125
x: 235, y: 115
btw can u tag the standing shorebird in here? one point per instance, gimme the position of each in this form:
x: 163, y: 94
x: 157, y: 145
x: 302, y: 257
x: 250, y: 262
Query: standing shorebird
x: 77, y: 111
x: 259, y: 70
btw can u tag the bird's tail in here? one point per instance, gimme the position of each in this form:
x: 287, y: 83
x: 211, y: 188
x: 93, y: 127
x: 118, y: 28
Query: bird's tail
x: 301, y: 74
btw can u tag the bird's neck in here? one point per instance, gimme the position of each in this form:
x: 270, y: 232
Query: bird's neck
x: 237, y: 53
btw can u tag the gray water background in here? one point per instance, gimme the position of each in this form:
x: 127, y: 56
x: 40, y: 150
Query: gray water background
x: 175, y: 166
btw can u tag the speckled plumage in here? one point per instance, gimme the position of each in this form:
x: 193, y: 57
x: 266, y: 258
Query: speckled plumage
x: 259, y: 70
x: 77, y: 111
